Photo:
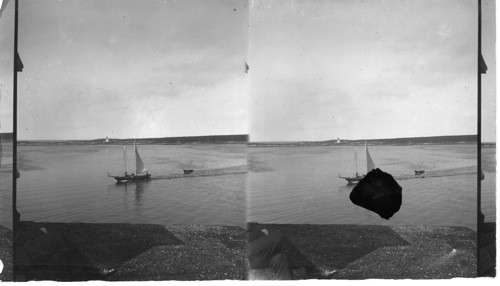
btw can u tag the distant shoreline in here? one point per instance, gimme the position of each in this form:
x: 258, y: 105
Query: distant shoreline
x: 312, y: 144
x: 434, y: 140
x: 243, y: 139
x: 210, y: 139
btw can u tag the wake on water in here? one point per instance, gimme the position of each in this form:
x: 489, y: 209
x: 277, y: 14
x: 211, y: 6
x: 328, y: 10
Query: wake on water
x: 244, y: 169
x: 203, y: 173
x: 439, y: 173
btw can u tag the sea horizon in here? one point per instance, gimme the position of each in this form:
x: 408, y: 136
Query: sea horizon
x: 231, y: 137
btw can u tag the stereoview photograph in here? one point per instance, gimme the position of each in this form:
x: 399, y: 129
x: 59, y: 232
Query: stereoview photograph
x: 247, y: 140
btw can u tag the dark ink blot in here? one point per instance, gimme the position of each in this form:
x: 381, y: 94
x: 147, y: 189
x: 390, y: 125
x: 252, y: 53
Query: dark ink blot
x: 378, y: 192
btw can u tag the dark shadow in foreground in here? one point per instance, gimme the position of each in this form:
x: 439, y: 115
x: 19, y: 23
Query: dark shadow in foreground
x: 79, y: 251
x: 487, y: 249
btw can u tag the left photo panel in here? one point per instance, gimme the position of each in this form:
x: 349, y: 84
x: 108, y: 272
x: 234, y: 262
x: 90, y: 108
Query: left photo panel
x: 6, y: 137
x: 131, y: 142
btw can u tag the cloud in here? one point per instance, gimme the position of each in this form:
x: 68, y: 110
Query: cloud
x: 378, y: 64
x: 132, y: 68
x: 6, y: 67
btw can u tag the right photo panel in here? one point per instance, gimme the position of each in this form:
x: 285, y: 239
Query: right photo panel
x: 363, y: 155
x: 487, y: 212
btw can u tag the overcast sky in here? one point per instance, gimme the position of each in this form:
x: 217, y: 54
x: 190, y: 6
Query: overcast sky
x: 488, y: 80
x: 318, y: 69
x: 362, y: 69
x: 6, y: 65
x: 132, y: 69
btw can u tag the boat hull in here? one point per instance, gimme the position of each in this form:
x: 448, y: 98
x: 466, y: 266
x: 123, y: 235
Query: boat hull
x: 130, y: 178
x: 352, y: 180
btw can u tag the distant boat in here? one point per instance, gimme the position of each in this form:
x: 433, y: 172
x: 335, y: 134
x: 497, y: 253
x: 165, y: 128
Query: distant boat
x: 369, y: 166
x: 419, y: 172
x: 190, y: 171
x: 338, y: 140
x: 107, y: 140
x: 141, y: 173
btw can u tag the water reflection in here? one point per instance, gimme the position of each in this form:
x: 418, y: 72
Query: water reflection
x: 138, y: 189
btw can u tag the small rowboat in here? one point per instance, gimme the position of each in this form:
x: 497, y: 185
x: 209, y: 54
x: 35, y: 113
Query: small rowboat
x: 419, y: 172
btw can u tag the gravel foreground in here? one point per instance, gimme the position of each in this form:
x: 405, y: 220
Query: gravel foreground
x: 6, y: 253
x: 382, y: 252
x: 140, y: 252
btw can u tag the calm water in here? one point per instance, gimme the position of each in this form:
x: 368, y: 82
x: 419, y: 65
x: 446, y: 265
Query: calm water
x: 6, y: 184
x: 69, y: 184
x: 285, y: 184
x: 488, y: 185
x: 301, y: 184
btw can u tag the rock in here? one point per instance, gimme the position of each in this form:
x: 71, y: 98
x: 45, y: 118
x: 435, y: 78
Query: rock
x: 378, y: 192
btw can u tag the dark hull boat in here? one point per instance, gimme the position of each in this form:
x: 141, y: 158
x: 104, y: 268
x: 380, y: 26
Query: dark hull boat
x: 353, y: 180
x: 190, y: 171
x: 132, y: 178
x: 419, y: 172
x: 141, y: 172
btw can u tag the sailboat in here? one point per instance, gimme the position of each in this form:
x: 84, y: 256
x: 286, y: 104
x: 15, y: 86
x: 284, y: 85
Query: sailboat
x: 141, y: 173
x: 369, y: 166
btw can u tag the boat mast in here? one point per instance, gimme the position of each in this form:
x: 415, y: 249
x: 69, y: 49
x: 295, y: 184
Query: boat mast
x: 367, y: 159
x: 136, y: 160
x: 124, y: 161
x: 356, y: 160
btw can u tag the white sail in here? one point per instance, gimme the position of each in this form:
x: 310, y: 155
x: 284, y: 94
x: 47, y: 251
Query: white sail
x: 369, y: 162
x: 139, y: 165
